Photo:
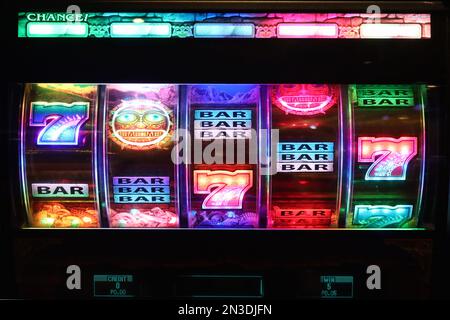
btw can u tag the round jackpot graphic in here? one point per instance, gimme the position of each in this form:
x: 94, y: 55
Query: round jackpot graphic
x: 141, y: 125
x: 304, y: 99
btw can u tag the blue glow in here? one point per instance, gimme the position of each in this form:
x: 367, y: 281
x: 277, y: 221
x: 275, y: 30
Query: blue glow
x: 231, y: 214
x: 381, y: 215
x: 305, y: 147
x: 61, y: 122
x: 57, y: 29
x: 224, y: 30
x: 141, y: 189
x: 142, y: 198
x: 214, y: 114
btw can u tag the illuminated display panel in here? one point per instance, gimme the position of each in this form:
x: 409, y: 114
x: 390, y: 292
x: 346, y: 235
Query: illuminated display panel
x: 140, y: 122
x: 196, y: 156
x: 388, y: 156
x: 305, y: 191
x: 57, y: 144
x: 224, y: 25
x: 222, y: 187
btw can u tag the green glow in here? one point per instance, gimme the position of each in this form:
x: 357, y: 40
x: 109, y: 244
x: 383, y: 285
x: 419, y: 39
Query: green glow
x: 380, y: 96
x: 219, y: 25
x: 47, y: 221
x: 57, y: 29
x: 75, y: 223
x: 335, y: 287
x: 113, y: 285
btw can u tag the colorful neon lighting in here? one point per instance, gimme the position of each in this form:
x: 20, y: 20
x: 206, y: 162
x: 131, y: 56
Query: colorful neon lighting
x: 224, y: 25
x: 382, y: 96
x: 222, y: 124
x: 57, y: 29
x: 300, y: 217
x: 151, y: 30
x: 141, y: 189
x: 61, y: 215
x: 390, y: 157
x: 422, y: 95
x: 304, y: 99
x: 143, y: 218
x: 307, y: 30
x: 390, y: 31
x: 379, y: 216
x: 61, y: 121
x: 224, y: 30
x: 305, y: 157
x: 225, y: 189
x: 140, y: 124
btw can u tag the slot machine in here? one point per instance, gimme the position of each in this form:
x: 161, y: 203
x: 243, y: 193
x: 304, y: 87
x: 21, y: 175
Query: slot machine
x: 227, y: 150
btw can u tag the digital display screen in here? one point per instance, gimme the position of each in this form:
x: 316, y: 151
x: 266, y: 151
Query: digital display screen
x: 216, y: 25
x: 248, y: 156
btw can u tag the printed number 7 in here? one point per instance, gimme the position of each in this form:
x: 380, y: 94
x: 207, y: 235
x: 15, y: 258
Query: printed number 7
x: 225, y: 189
x: 390, y: 156
x: 61, y: 121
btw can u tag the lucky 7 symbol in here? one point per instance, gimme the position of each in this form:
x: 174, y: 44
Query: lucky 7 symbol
x: 224, y: 189
x: 61, y: 121
x: 389, y: 157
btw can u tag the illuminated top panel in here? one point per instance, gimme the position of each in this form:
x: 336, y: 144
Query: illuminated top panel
x: 224, y: 25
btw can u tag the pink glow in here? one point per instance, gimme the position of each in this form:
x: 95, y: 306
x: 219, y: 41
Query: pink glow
x: 389, y: 157
x: 307, y: 30
x: 225, y: 189
x: 391, y: 31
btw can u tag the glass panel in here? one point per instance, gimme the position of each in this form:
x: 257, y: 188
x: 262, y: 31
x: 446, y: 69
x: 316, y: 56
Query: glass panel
x: 284, y: 156
x: 224, y: 25
x: 58, y: 144
x: 141, y: 177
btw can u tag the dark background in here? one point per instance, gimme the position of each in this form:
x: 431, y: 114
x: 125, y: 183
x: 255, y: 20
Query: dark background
x: 33, y: 260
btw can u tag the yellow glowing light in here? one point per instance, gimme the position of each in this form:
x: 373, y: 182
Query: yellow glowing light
x: 405, y: 150
x: 202, y: 180
x: 47, y: 221
x: 241, y: 181
x: 378, y: 148
x: 173, y: 220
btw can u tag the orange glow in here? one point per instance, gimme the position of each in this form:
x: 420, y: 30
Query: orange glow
x: 232, y: 187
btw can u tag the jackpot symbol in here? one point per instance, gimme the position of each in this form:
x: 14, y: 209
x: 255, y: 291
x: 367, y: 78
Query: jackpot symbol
x: 389, y: 157
x: 61, y: 121
x: 379, y: 216
x: 140, y: 124
x: 224, y: 189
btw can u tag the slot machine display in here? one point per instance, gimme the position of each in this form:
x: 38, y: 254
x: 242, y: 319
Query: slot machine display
x: 224, y: 180
x: 305, y: 191
x: 333, y: 165
x: 232, y: 151
x: 57, y: 146
x: 388, y: 164
x: 140, y: 121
